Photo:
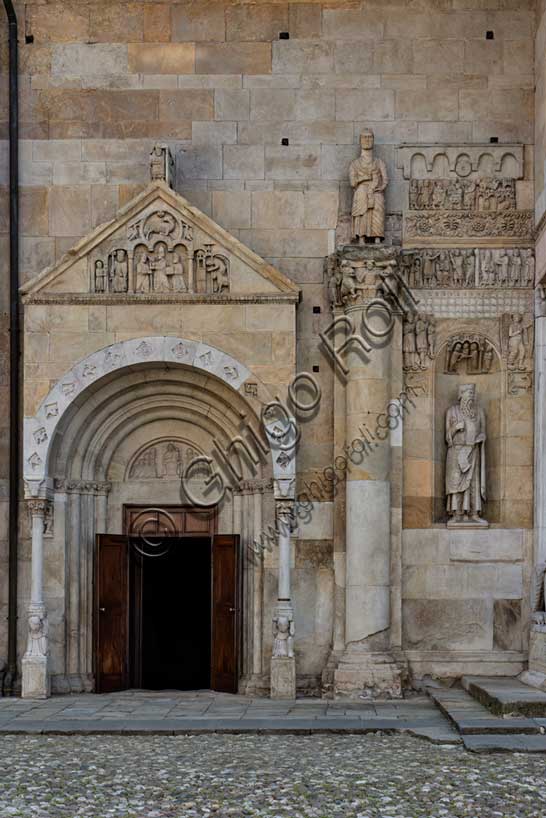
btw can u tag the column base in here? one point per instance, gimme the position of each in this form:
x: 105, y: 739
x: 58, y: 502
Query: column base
x: 35, y: 678
x: 283, y: 677
x: 367, y: 676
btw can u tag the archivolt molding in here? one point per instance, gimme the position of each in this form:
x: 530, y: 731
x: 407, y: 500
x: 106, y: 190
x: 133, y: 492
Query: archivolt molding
x: 73, y: 390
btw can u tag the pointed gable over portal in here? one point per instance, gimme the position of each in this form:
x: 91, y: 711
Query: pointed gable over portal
x: 159, y: 248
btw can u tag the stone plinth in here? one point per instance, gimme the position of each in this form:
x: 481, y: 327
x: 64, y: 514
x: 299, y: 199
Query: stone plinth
x: 283, y: 678
x: 367, y: 675
x: 35, y: 681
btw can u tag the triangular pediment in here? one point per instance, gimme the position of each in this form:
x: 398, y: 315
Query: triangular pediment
x: 159, y: 247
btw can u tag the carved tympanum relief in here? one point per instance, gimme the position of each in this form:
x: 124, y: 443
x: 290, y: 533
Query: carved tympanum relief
x: 160, y: 255
x: 162, y: 460
x: 485, y: 195
x: 468, y: 268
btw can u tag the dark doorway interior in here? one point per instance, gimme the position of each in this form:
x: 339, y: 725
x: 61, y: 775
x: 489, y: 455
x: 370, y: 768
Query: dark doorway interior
x: 175, y: 614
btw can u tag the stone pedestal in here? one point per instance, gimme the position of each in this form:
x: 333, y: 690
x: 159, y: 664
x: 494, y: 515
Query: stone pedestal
x: 283, y: 678
x: 536, y: 675
x: 367, y: 675
x: 35, y: 677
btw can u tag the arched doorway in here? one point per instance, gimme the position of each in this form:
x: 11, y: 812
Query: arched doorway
x: 95, y: 465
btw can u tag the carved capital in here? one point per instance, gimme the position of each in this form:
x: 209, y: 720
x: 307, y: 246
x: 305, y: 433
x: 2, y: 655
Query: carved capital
x: 38, y: 507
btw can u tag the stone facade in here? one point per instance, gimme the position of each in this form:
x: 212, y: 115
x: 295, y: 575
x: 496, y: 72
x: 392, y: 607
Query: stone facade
x: 263, y: 128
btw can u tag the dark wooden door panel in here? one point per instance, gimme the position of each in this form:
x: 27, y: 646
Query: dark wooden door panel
x: 225, y: 613
x: 111, y: 613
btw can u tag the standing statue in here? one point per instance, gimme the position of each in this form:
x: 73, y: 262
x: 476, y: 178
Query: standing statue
x: 465, y: 462
x: 368, y: 177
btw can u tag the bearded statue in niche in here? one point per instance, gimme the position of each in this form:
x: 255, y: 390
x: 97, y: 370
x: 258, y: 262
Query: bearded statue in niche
x: 465, y: 462
x: 368, y: 177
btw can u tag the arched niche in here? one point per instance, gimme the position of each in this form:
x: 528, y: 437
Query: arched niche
x: 469, y: 357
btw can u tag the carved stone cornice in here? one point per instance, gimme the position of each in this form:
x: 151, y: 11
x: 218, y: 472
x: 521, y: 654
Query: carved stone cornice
x: 67, y: 486
x: 117, y: 299
x: 512, y: 228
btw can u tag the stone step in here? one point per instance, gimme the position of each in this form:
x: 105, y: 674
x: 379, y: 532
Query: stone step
x: 513, y: 743
x: 505, y: 695
x: 472, y: 718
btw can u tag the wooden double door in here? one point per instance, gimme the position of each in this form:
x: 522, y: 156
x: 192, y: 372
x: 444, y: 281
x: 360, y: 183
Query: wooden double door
x: 167, y: 603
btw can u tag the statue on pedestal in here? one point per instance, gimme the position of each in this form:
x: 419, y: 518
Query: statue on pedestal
x: 368, y: 177
x: 465, y: 462
x: 283, y: 637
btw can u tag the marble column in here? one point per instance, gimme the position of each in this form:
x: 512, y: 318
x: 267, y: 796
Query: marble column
x: 283, y: 663
x: 35, y: 681
x: 367, y: 667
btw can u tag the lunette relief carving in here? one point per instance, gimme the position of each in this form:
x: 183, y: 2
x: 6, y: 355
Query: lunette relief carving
x: 163, y: 460
x: 469, y: 354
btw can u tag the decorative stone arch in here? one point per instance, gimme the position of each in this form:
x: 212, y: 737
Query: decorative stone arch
x: 74, y: 435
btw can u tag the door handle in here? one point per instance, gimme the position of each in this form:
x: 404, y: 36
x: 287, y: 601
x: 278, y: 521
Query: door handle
x: 102, y: 610
x: 232, y: 610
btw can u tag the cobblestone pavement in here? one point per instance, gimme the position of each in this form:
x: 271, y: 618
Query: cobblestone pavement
x: 326, y: 776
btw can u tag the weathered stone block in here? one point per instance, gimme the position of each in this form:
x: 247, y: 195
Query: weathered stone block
x: 233, y: 58
x: 507, y: 624
x: 352, y: 24
x: 368, y: 105
x: 290, y: 243
x: 432, y: 56
x: 283, y: 678
x: 264, y: 22
x: 356, y: 58
x: 69, y: 210
x: 438, y: 104
x: 164, y: 58
x: 214, y: 133
x: 436, y: 624
x: 58, y: 22
x: 200, y: 163
x: 157, y: 23
x: 243, y: 162
x: 34, y: 211
x: 507, y: 104
x: 518, y: 57
x: 303, y: 56
x: 393, y: 57
x: 231, y: 209
x: 186, y: 104
x: 198, y: 21
x: 321, y: 209
x: 232, y: 104
x: 483, y: 57
x: 116, y: 22
x: 292, y: 162
x: 305, y: 20
x: 271, y: 209
x: 89, y: 58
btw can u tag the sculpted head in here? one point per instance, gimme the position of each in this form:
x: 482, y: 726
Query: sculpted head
x: 366, y: 140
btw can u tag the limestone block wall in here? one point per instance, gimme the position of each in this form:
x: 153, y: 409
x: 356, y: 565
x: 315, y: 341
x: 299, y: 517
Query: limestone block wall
x: 263, y: 129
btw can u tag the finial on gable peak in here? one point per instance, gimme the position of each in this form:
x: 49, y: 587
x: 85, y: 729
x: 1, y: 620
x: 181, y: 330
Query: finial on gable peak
x: 162, y: 164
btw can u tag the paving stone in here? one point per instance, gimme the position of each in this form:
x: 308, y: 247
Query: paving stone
x: 267, y: 776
